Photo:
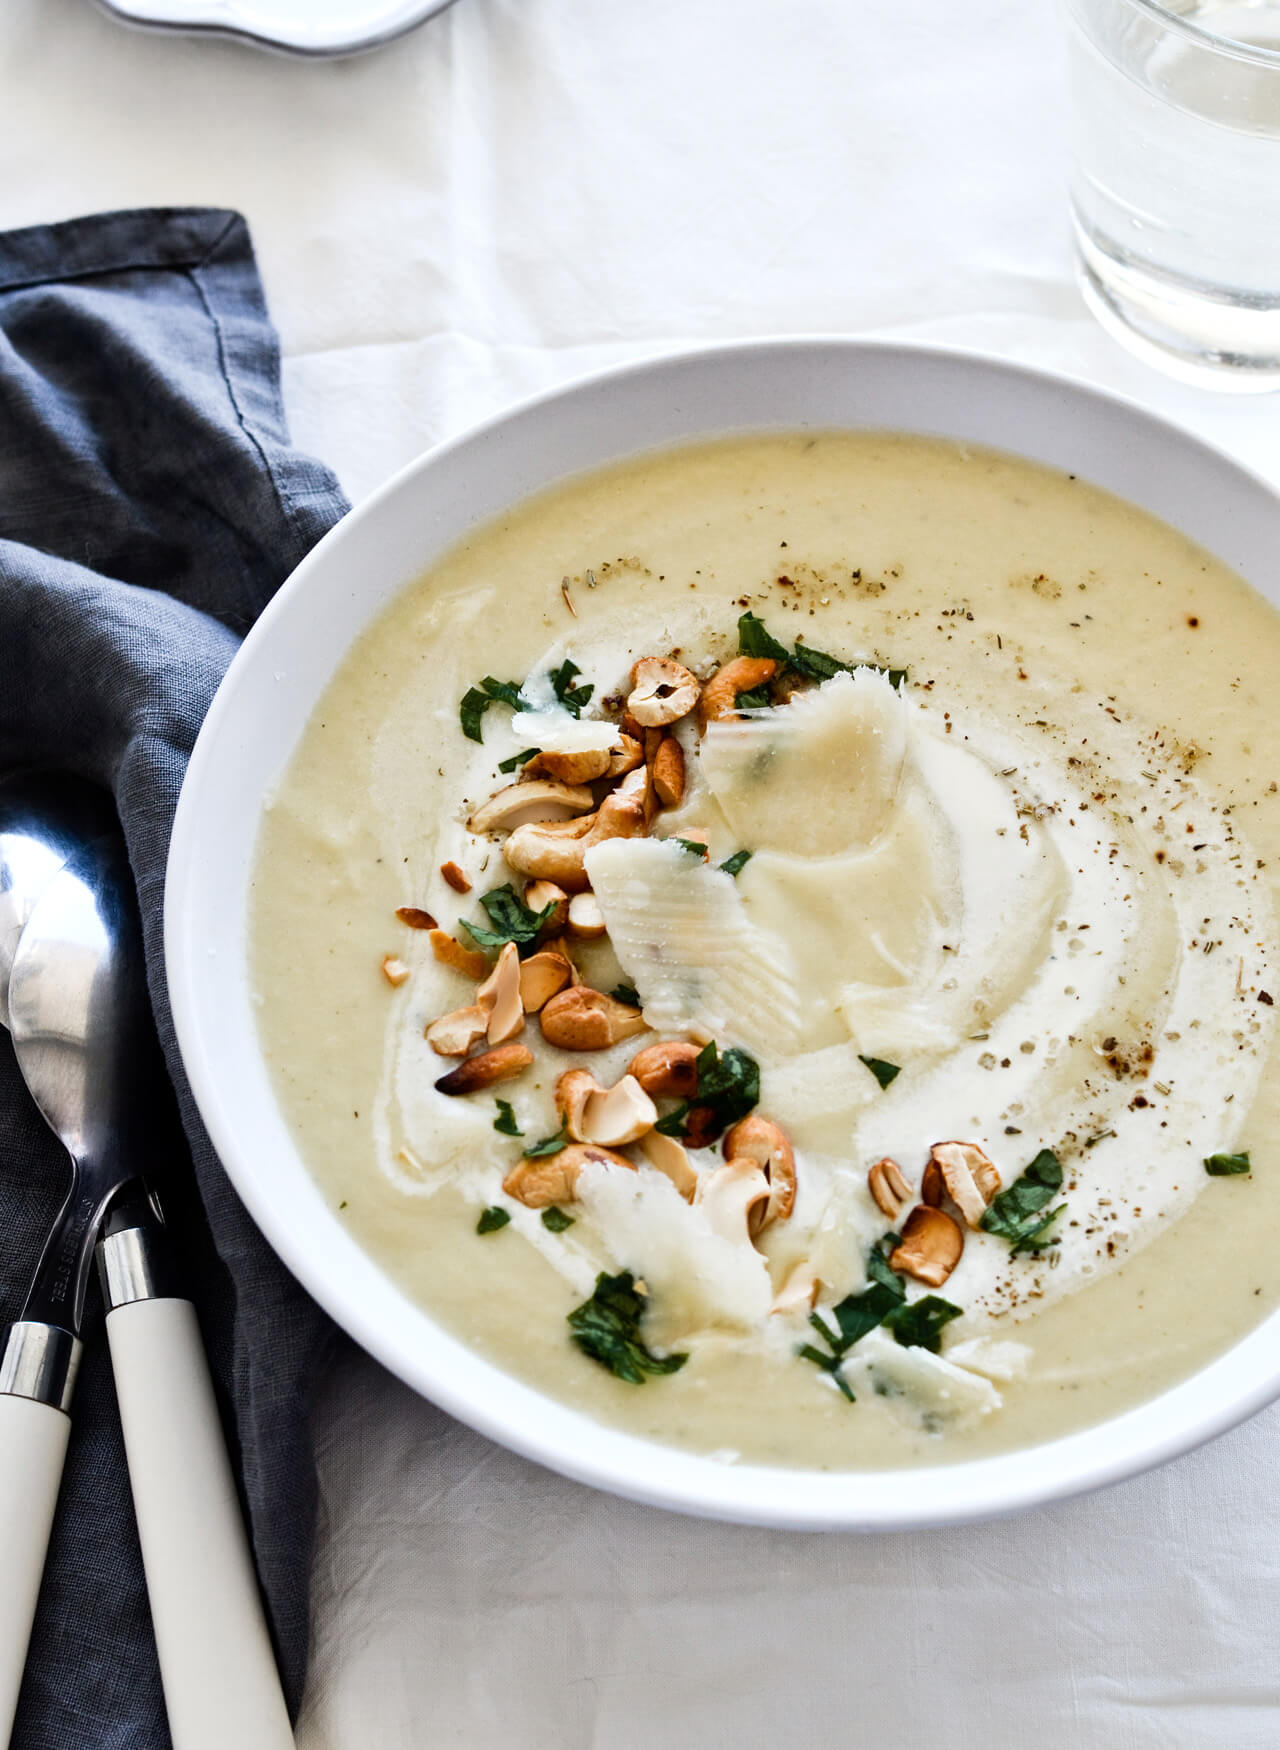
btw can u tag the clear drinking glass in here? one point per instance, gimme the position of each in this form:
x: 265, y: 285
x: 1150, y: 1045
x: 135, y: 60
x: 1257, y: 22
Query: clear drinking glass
x: 1175, y: 183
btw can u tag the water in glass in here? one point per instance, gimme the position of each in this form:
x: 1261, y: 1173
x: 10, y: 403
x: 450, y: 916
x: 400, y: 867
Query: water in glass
x: 1176, y: 180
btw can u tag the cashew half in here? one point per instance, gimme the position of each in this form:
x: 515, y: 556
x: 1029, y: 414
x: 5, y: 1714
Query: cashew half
x: 720, y: 695
x: 890, y: 1189
x: 968, y: 1175
x: 630, y: 754
x: 733, y: 1198
x: 554, y: 1178
x: 451, y: 952
x: 668, y: 772
x: 454, y: 1035
x: 522, y: 803
x: 570, y: 768
x: 499, y: 1065
x: 760, y: 1140
x: 662, y: 691
x: 551, y: 852
x: 586, y: 920
x: 499, y: 997
x: 672, y: 1158
x: 669, y: 1069
x: 931, y: 1246
x: 538, y: 895
x: 610, y: 1116
x: 582, y: 1019
x: 542, y: 975
x: 555, y: 852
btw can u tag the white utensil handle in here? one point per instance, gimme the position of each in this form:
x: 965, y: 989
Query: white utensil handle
x: 221, y: 1688
x: 33, y: 1445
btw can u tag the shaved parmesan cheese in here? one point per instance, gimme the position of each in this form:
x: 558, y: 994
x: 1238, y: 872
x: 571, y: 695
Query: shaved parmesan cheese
x: 817, y: 776
x: 993, y: 1357
x: 921, y: 1387
x: 682, y: 935
x: 556, y: 730
x: 696, y: 1277
x: 820, y: 1090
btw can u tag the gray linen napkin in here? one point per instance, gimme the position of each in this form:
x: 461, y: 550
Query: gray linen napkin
x: 150, y: 505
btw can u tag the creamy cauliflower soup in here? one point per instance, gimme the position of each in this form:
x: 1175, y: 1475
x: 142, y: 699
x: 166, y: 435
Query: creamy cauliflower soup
x: 772, y: 943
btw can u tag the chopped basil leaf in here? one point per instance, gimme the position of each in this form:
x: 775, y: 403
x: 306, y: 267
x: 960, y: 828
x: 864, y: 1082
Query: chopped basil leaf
x: 673, y: 1123
x: 856, y: 1314
x: 1018, y: 1214
x: 882, y: 1071
x: 730, y: 1084
x: 754, y: 699
x: 1227, y: 1166
x: 571, y: 697
x: 917, y: 1324
x: 695, y: 847
x: 829, y: 1364
x: 755, y: 639
x: 879, y: 1268
x: 492, y: 1219
x: 1039, y: 1235
x: 816, y: 665
x: 506, y: 1119
x: 511, y: 919
x: 471, y: 713
x: 477, y: 700
x: 550, y: 1145
x: 607, y: 1328
x: 555, y: 1220
x: 519, y: 759
x: 726, y: 1089
x: 625, y: 993
x: 735, y: 864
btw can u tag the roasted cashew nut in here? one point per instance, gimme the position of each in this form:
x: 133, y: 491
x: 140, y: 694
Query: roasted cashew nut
x: 551, y: 1179
x: 610, y: 1116
x: 662, y: 691
x: 762, y: 1141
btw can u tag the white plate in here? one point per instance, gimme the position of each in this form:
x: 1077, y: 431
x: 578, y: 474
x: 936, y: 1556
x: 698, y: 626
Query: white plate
x: 299, y: 27
x: 274, y: 684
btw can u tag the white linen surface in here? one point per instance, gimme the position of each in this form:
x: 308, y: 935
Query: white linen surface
x: 522, y: 191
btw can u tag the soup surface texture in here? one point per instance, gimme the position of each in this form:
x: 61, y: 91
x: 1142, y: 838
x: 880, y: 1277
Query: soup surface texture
x: 1002, y: 755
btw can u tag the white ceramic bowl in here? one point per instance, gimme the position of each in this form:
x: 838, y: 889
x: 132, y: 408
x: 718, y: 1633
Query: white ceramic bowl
x: 273, y: 686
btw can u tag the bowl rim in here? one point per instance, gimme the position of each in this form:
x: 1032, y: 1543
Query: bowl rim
x: 376, y: 1313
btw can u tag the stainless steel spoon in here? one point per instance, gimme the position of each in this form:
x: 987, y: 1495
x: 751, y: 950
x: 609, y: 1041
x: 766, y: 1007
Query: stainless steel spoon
x: 44, y: 819
x: 83, y: 1035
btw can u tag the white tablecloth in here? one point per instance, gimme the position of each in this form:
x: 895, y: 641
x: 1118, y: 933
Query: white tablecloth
x: 520, y: 192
